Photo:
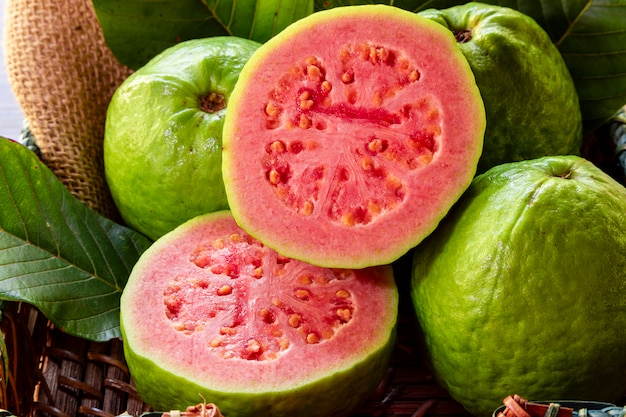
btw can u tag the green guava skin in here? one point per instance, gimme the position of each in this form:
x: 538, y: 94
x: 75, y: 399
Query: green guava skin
x: 337, y: 395
x: 162, y: 151
x: 521, y: 289
x: 530, y: 98
x: 169, y: 385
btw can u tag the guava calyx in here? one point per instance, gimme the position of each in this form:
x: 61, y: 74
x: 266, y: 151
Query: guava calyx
x: 212, y: 102
x: 462, y: 36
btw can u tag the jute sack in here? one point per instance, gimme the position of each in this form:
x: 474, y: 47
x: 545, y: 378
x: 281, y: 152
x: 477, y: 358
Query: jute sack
x: 63, y: 76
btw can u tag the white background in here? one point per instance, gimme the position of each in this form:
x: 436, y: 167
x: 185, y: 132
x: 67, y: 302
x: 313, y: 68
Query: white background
x: 11, y: 116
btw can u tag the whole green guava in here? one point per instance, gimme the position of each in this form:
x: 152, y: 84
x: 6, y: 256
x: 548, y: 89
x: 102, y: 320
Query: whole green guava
x: 163, y: 133
x: 521, y: 289
x: 530, y: 98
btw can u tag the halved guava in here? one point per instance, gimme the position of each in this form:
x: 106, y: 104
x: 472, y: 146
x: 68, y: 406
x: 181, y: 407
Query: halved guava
x: 350, y: 135
x: 209, y: 312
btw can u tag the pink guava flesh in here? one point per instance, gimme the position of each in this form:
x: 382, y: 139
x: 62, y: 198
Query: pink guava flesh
x: 311, y: 307
x: 350, y: 135
x: 211, y: 304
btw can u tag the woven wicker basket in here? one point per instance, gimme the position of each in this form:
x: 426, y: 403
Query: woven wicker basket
x: 54, y: 374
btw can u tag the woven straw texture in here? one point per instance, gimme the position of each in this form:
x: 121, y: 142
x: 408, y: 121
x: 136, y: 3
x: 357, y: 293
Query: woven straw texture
x: 63, y: 76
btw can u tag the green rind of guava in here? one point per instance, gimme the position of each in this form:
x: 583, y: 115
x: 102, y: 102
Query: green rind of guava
x: 530, y: 97
x: 162, y: 154
x: 337, y: 394
x: 520, y: 289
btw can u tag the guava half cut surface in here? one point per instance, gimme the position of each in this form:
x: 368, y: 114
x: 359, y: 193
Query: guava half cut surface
x: 350, y: 135
x: 209, y: 312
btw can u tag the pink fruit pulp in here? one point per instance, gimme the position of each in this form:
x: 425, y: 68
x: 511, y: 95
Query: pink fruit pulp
x: 212, y: 304
x: 350, y: 135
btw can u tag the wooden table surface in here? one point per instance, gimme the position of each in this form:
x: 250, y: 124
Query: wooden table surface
x: 11, y: 116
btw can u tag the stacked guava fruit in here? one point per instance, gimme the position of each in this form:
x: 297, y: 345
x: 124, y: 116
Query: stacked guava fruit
x: 356, y: 137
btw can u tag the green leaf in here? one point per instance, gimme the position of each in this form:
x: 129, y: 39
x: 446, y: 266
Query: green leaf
x: 137, y: 30
x: 594, y: 48
x: 56, y: 253
x: 258, y: 20
x: 590, y: 34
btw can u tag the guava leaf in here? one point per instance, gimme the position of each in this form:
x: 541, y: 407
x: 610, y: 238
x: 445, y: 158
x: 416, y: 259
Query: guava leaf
x: 56, y: 253
x: 590, y: 34
x: 594, y: 48
x: 137, y: 30
x: 258, y: 20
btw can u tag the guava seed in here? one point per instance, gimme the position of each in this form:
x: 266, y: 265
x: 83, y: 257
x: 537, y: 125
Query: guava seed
x: 342, y: 294
x: 225, y: 290
x: 294, y: 320
x: 266, y: 315
x: 344, y: 314
x: 302, y: 294
x: 312, y: 338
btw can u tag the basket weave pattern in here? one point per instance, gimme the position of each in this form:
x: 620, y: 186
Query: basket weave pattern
x: 52, y: 373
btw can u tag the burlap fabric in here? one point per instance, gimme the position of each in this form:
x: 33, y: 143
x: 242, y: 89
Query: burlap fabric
x: 63, y: 76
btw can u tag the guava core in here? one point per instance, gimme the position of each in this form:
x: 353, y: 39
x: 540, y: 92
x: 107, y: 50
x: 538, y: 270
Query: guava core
x: 209, y: 312
x: 521, y: 289
x: 163, y: 134
x: 530, y: 98
x: 350, y: 134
